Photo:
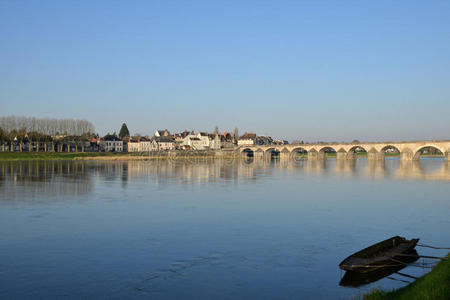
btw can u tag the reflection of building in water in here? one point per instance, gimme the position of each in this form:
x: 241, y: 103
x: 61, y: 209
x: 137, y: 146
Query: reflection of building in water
x: 195, y: 171
x: 188, y: 172
x: 111, y: 171
x: 43, y: 179
x: 214, y: 171
x: 46, y: 179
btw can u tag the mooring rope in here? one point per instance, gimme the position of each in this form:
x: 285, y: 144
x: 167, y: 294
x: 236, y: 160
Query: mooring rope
x: 412, y: 265
x: 421, y: 256
x: 406, y: 275
x: 433, y: 247
x: 392, y: 278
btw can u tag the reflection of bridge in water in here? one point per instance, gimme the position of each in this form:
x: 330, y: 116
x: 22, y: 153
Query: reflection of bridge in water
x: 376, y: 150
x: 216, y: 171
x: 429, y: 169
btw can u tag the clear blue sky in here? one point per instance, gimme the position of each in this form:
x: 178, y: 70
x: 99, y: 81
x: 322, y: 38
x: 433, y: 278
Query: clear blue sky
x: 313, y: 70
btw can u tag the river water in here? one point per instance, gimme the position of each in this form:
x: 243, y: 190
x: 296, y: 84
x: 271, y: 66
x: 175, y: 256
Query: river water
x: 209, y: 229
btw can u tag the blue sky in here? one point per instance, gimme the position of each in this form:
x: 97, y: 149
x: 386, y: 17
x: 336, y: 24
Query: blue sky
x: 309, y: 70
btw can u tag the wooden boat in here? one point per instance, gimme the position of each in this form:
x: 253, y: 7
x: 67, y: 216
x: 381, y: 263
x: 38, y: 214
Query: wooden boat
x: 357, y: 279
x: 383, y: 254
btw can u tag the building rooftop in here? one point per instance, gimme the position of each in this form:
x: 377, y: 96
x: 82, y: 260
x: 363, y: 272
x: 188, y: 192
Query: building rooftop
x: 111, y: 138
x: 163, y: 139
x: 248, y: 136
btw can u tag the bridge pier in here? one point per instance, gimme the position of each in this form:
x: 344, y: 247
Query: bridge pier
x: 322, y: 155
x: 313, y: 154
x: 285, y: 156
x: 258, y: 155
x: 351, y: 155
x: 375, y: 155
x: 372, y: 155
x: 340, y: 155
x: 406, y: 155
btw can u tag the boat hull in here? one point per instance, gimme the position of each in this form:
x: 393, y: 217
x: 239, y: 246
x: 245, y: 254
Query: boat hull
x: 387, y: 253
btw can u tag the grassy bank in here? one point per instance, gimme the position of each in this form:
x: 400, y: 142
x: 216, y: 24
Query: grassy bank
x: 20, y: 156
x: 41, y: 156
x: 434, y: 285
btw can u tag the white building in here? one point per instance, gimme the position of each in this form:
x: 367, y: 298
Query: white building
x: 204, y: 140
x: 247, y: 139
x: 165, y: 143
x: 191, y: 141
x: 111, y: 143
x: 133, y: 146
x: 215, y: 142
x: 199, y: 141
x: 141, y: 145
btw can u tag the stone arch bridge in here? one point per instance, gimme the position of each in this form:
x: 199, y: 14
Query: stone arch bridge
x: 375, y: 150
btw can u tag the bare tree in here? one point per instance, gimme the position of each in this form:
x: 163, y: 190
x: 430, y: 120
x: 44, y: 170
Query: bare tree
x: 38, y: 131
x: 236, y: 135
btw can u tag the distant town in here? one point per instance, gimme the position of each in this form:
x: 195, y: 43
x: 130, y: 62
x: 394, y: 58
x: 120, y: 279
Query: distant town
x: 28, y: 134
x: 164, y: 140
x: 22, y: 134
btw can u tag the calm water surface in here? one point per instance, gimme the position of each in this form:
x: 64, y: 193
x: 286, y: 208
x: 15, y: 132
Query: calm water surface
x: 208, y: 230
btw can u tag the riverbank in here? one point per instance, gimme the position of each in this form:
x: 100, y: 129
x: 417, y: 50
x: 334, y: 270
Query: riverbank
x: 187, y: 157
x: 108, y: 156
x: 434, y: 285
x: 20, y: 156
x: 24, y: 156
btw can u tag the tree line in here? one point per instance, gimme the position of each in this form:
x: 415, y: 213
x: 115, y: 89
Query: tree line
x: 37, y: 133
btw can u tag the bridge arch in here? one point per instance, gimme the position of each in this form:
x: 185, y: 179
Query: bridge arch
x: 355, y: 150
x: 247, y: 152
x: 298, y: 153
x: 428, y: 149
x: 271, y: 153
x: 383, y: 151
x: 325, y: 150
x: 299, y: 150
x: 390, y: 148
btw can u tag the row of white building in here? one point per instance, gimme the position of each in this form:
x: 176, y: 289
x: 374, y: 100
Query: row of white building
x: 162, y: 140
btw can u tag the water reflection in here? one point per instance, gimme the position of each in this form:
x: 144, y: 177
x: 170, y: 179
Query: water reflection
x: 58, y: 178
x: 174, y: 228
x: 35, y: 179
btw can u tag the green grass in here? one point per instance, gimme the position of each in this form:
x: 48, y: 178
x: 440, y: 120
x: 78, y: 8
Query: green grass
x: 13, y: 156
x: 432, y: 286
